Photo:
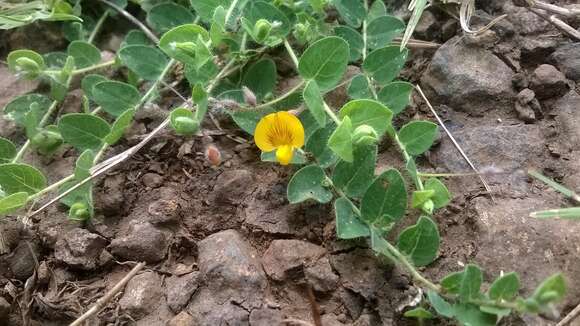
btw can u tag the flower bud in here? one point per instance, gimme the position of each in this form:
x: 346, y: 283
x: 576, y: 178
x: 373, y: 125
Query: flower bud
x: 188, y: 48
x: 213, y: 155
x: 428, y: 207
x: 185, y: 125
x: 29, y: 67
x: 249, y: 96
x: 364, y: 135
x: 47, y: 141
x: 79, y: 211
x: 301, y: 33
x: 262, y: 30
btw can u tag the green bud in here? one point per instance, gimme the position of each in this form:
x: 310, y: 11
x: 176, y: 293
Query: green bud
x: 530, y: 305
x: 27, y: 64
x: 364, y: 135
x: 428, y: 207
x: 301, y: 33
x: 47, y: 141
x: 548, y: 296
x: 262, y: 30
x: 188, y: 48
x: 79, y: 211
x: 185, y: 125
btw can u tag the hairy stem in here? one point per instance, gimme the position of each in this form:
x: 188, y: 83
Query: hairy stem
x: 281, y: 98
x: 98, y: 26
x: 291, y: 53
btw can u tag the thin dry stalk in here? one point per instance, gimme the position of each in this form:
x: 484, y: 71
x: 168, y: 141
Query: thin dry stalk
x: 570, y: 317
x: 557, y: 22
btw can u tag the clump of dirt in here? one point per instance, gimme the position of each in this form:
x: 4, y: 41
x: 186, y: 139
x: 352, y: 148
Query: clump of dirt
x: 223, y: 246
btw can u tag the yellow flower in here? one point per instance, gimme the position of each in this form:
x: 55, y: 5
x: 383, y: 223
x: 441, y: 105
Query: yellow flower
x: 280, y: 131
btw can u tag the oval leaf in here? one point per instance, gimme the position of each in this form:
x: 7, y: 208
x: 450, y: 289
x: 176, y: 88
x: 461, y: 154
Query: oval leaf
x: 505, y: 287
x: 383, y: 30
x: 354, y: 40
x: 441, y: 196
x: 368, y: 112
x: 384, y: 64
x: 396, y: 95
x: 325, y: 61
x: 420, y: 242
x: 145, y: 61
x: 385, y: 201
x: 18, y: 108
x: 348, y: 226
x: 418, y: 136
x: 84, y: 53
x: 306, y: 184
x: 353, y: 12
x: 354, y: 178
x: 317, y: 145
x: 261, y: 78
x: 13, y: 202
x: 89, y: 81
x: 116, y: 97
x: 257, y: 10
x: 182, y: 34
x: 168, y: 15
x: 340, y: 141
x: 83, y: 131
x: 315, y: 102
x: 7, y: 150
x: 120, y: 126
x: 15, y: 177
x: 359, y: 88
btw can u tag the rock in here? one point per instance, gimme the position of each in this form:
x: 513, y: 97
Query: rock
x: 449, y: 29
x: 428, y: 26
x: 265, y: 317
x: 548, y: 82
x: 231, y: 269
x: 567, y: 59
x: 22, y: 260
x: 321, y: 276
x: 11, y: 86
x: 361, y: 272
x: 207, y: 310
x: 232, y: 186
x: 353, y: 303
x: 80, y: 249
x: 526, y: 96
x: 143, y: 243
x: 163, y: 211
x: 331, y: 320
x: 520, y: 81
x: 152, y: 180
x: 534, y: 50
x: 467, y: 78
x: 367, y: 320
x: 182, y: 319
x: 286, y: 258
x: 4, y: 309
x: 524, y: 21
x: 111, y: 198
x: 141, y: 295
x: 180, y: 289
x: 525, y: 113
x: 567, y: 115
x: 525, y: 100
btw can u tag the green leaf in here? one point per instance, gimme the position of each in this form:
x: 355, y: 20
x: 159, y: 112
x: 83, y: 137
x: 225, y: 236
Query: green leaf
x: 202, y: 75
x: 315, y: 102
x: 419, y: 313
x: 385, y: 201
x: 505, y: 287
x: 470, y: 283
x: 248, y: 120
x: 183, y: 122
x: 135, y: 37
x: 116, y: 97
x: 348, y: 226
x: 261, y: 78
x: 382, y: 30
x: 120, y: 126
x: 552, y: 289
x: 16, y: 177
x: 359, y: 88
x: 469, y: 314
x: 499, y: 312
x: 340, y: 142
x: 353, y: 12
x: 7, y: 150
x: 55, y: 59
x: 420, y: 197
x: 21, y: 105
x: 418, y: 136
x: 376, y: 10
x: 564, y: 213
x: 368, y: 112
x: 83, y: 194
x: 354, y: 178
x: 440, y: 305
x: 420, y: 242
x: 13, y: 202
x: 256, y: 10
x: 384, y: 64
x: 396, y: 95
x: 317, y: 145
x: 325, y: 61
x: 298, y: 158
x: 25, y: 61
x: 89, y: 81
x: 185, y: 34
x: 83, y: 131
x: 168, y: 15
x: 353, y: 38
x: 452, y: 282
x: 145, y: 61
x: 379, y: 244
x: 309, y: 183
x: 441, y: 196
x: 205, y: 8
x: 85, y: 54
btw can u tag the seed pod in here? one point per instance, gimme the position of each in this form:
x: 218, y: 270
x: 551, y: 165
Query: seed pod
x: 185, y: 125
x: 249, y: 96
x: 79, y: 212
x: 213, y: 155
x: 364, y: 134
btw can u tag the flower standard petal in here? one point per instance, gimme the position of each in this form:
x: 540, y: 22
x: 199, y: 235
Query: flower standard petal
x: 262, y: 134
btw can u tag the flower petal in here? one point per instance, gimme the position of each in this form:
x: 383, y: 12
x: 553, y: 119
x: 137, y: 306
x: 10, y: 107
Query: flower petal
x: 262, y: 134
x: 284, y: 154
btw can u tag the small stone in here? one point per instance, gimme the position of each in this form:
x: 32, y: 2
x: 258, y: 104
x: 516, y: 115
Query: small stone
x: 567, y: 115
x: 321, y: 276
x: 525, y: 112
x: 43, y: 273
x: 548, y: 82
x: 180, y: 289
x: 111, y: 198
x: 143, y: 243
x: 80, y: 249
x: 526, y: 96
x: 567, y: 59
x: 181, y: 319
x: 152, y: 180
x: 163, y: 211
x: 286, y: 258
x: 141, y: 295
x: 4, y: 309
x: 361, y: 272
x: 22, y: 261
x: 428, y: 26
x: 265, y: 317
x: 520, y: 81
x: 232, y: 186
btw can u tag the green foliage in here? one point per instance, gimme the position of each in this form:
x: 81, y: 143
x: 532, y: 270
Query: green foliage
x: 7, y: 150
x: 340, y: 142
x: 183, y: 122
x: 115, y: 97
x: 16, y: 177
x: 309, y: 183
x: 384, y: 64
x: 85, y: 54
x: 167, y: 15
x: 145, y: 61
x: 83, y: 131
x: 315, y: 102
x: 261, y: 78
x: 382, y: 30
x: 418, y: 136
x: 396, y: 95
x: 367, y: 112
x: 324, y: 62
x: 385, y: 201
x: 420, y: 242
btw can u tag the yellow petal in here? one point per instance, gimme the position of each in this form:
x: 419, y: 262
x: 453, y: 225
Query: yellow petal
x: 279, y: 129
x: 284, y: 154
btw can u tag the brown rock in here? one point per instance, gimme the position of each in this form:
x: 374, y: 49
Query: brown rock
x: 143, y: 243
x: 286, y: 258
x: 80, y: 249
x: 141, y: 295
x: 182, y: 319
x: 548, y: 82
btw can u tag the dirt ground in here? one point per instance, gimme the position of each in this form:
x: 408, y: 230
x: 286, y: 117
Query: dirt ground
x: 223, y: 246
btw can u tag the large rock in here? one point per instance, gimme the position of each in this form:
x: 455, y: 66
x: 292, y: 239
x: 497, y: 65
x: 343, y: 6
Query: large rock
x: 22, y: 261
x: 567, y: 115
x: 548, y: 82
x: 180, y: 289
x: 143, y: 242
x: 182, y: 319
x: 232, y: 185
x: 361, y: 272
x: 321, y: 276
x: 468, y: 78
x: 287, y: 258
x: 567, y: 59
x: 231, y: 268
x: 265, y: 317
x: 80, y: 249
x: 141, y: 295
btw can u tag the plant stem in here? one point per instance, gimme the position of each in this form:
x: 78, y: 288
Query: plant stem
x: 417, y: 276
x: 291, y: 53
x: 153, y: 88
x: 52, y: 187
x: 408, y: 158
x: 281, y: 98
x: 95, y: 67
x: 134, y: 20
x: 230, y: 11
x: 331, y: 113
x: 98, y: 26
